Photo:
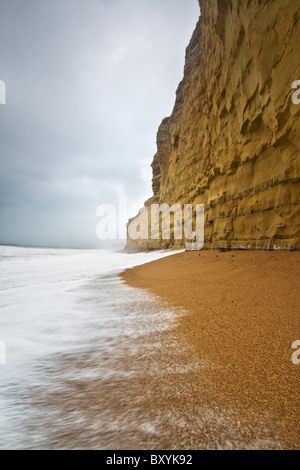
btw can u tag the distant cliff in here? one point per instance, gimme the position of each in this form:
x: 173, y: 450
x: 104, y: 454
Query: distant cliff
x: 232, y: 142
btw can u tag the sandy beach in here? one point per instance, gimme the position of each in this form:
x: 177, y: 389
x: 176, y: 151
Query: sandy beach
x: 239, y: 316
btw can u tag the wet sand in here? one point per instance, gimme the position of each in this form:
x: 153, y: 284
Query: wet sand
x: 239, y: 315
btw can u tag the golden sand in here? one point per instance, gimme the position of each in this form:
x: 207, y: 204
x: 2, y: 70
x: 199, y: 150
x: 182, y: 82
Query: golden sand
x: 241, y: 319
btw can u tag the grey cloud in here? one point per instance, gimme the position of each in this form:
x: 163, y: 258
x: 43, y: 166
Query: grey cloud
x: 88, y: 83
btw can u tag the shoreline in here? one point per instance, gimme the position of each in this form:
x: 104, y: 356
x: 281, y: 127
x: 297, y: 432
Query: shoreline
x: 241, y: 318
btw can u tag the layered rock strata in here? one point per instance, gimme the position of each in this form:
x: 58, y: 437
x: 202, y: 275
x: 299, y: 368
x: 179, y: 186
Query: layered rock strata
x: 232, y: 142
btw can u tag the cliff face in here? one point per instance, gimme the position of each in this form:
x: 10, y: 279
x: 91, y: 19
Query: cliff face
x: 232, y: 142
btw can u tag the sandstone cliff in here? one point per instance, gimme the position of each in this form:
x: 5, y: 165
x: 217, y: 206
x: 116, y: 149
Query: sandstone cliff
x: 233, y: 139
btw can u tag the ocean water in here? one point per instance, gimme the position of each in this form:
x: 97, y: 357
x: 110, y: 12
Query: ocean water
x: 70, y: 327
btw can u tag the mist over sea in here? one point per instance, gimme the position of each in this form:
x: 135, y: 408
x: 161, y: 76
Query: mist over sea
x: 66, y: 319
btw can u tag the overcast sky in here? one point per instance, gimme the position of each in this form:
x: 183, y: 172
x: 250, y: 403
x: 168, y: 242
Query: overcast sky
x: 88, y: 83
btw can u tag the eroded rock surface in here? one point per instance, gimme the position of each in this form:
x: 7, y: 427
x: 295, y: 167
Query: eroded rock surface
x: 232, y: 142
